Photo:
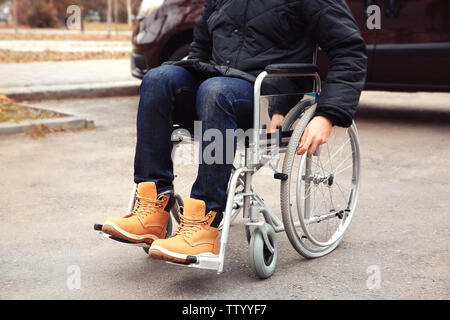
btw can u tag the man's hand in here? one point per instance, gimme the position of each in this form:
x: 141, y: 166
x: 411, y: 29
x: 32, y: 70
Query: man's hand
x: 316, y: 133
x: 277, y: 120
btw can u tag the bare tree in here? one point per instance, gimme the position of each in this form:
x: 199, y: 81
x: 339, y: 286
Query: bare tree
x: 116, y: 16
x: 16, y: 16
x: 82, y: 15
x: 129, y: 13
x: 109, y: 17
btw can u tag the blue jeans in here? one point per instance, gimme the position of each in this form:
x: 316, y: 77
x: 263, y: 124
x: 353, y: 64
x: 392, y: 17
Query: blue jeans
x: 171, y: 94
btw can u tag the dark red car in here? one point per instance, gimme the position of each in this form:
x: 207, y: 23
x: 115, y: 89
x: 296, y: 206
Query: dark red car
x: 410, y: 52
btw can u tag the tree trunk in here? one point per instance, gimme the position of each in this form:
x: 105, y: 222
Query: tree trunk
x: 109, y: 17
x: 82, y: 14
x: 16, y: 16
x: 116, y: 15
x: 129, y: 13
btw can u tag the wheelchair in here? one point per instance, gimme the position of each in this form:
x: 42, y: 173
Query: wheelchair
x: 318, y: 192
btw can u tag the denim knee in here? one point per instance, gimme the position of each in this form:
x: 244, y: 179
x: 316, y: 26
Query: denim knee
x: 213, y: 99
x: 161, y: 85
x: 163, y: 76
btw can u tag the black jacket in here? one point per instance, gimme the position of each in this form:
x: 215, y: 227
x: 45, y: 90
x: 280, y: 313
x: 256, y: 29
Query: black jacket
x: 239, y: 38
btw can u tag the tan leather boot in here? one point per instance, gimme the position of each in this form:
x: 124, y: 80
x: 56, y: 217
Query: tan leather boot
x: 148, y: 219
x: 194, y: 236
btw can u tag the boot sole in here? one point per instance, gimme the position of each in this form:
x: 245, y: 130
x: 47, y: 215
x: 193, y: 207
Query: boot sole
x: 116, y: 232
x: 158, y: 252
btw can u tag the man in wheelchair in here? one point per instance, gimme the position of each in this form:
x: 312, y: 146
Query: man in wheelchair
x: 234, y: 40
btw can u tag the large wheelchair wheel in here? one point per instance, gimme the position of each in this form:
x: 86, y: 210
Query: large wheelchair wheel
x: 319, y: 197
x: 294, y: 114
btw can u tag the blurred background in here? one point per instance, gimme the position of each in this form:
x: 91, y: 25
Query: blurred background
x: 43, y: 20
x: 53, y: 14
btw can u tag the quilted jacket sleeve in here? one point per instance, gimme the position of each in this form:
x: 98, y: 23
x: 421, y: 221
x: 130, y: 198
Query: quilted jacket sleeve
x: 332, y: 26
x: 201, y: 47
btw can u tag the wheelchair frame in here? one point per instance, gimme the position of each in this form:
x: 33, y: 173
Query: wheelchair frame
x: 253, y: 204
x: 248, y: 200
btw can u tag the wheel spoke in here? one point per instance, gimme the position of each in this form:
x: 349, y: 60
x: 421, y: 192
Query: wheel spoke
x: 342, y: 193
x: 339, y: 150
x: 340, y: 171
x: 331, y: 164
x: 350, y: 156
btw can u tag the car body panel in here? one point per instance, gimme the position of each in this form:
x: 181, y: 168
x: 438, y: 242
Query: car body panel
x: 410, y: 52
x: 413, y: 46
x: 153, y: 33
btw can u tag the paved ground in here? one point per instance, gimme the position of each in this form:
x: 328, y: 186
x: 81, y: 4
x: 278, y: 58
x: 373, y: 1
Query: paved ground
x: 52, y: 190
x: 68, y: 79
x: 39, y: 74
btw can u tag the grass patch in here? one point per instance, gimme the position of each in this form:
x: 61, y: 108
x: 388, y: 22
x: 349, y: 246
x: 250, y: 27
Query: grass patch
x: 10, y: 111
x: 12, y: 56
x: 102, y: 26
x: 41, y: 130
x: 62, y: 36
x: 26, y: 33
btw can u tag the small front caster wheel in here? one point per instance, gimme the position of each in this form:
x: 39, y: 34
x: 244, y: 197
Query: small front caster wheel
x: 168, y: 233
x: 262, y: 260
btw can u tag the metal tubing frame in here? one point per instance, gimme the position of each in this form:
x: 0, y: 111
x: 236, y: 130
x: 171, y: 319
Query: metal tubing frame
x: 253, y: 203
x: 227, y: 214
x: 132, y: 198
x: 254, y: 144
x: 252, y: 164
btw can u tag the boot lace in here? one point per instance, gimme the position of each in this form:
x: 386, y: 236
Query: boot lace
x: 188, y: 226
x: 141, y: 209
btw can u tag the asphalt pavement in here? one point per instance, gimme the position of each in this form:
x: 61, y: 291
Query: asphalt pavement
x: 68, y: 79
x: 53, y: 189
x: 54, y: 73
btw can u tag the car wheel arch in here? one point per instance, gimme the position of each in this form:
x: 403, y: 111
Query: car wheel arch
x: 174, y: 42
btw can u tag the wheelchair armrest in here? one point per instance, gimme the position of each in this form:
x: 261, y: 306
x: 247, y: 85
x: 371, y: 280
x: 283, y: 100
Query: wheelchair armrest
x: 292, y: 68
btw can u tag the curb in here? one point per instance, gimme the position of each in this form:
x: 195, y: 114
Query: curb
x: 66, y: 122
x: 437, y: 115
x: 405, y: 114
x: 124, y: 88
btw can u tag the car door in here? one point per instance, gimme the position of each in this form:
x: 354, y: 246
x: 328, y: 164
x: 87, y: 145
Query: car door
x: 359, y: 11
x: 413, y: 46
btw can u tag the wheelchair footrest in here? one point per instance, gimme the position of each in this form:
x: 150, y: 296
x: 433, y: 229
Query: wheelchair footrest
x: 209, y: 263
x: 98, y: 227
